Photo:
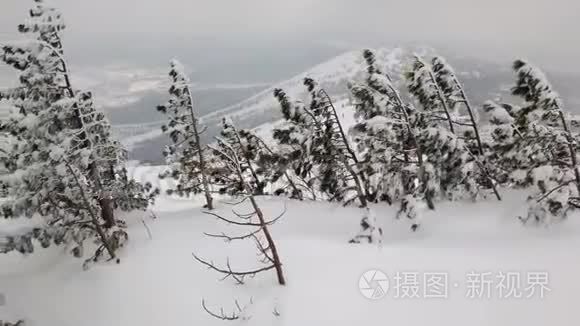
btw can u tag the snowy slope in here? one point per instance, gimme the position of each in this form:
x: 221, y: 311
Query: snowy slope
x: 158, y: 282
x: 332, y: 75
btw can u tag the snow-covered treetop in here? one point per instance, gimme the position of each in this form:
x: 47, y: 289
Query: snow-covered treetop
x: 178, y: 72
x: 293, y: 112
x: 45, y: 20
x: 377, y: 79
x: 378, y: 95
x: 43, y: 72
x: 179, y: 107
x: 497, y: 114
x: 534, y: 87
x: 421, y: 83
x: 445, y: 77
x: 179, y: 89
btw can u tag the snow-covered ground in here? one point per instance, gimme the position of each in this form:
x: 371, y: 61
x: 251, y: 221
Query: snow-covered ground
x: 159, y: 283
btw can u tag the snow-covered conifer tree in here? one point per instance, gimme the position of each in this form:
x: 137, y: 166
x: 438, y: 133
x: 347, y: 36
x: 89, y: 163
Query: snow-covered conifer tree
x: 422, y: 85
x: 385, y: 134
x: 331, y: 150
x: 324, y: 147
x: 387, y: 138
x: 50, y: 175
x: 451, y: 169
x: 62, y: 163
x: 464, y: 117
x: 466, y: 120
x: 187, y: 158
x: 294, y: 143
x: 534, y: 146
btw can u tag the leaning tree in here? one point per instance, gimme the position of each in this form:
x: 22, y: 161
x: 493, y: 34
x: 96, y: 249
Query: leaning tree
x: 187, y: 157
x: 449, y: 161
x: 387, y: 136
x: 62, y: 162
x: 535, y: 146
x: 254, y: 219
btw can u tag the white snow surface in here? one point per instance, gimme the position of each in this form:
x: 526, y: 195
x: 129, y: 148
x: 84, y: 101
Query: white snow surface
x: 159, y: 283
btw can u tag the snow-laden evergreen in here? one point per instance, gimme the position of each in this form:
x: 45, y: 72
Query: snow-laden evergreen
x: 293, y: 139
x: 387, y: 138
x: 62, y: 163
x: 451, y: 166
x: 332, y: 163
x: 533, y: 146
x: 187, y: 158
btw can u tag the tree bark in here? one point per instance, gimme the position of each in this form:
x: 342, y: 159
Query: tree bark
x: 201, y: 157
x: 271, y: 244
x: 107, y: 212
x: 571, y: 149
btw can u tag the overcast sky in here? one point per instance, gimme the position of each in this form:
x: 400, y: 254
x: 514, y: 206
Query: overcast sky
x: 543, y: 30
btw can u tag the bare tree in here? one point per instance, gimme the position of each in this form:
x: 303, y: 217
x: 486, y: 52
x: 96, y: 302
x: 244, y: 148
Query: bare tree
x: 253, y: 219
